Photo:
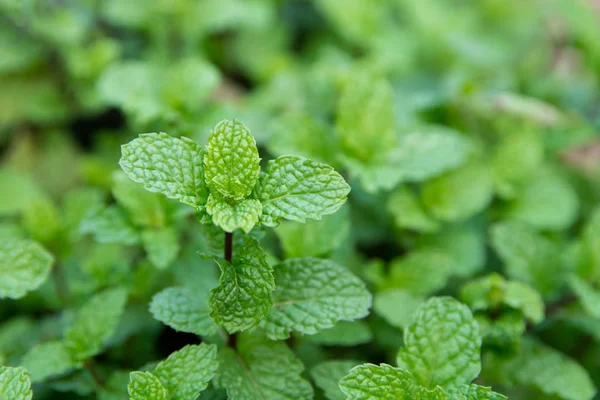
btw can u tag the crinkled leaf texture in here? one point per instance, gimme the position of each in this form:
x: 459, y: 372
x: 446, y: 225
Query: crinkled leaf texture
x: 328, y: 374
x: 183, y: 309
x: 231, y: 161
x: 24, y: 266
x: 146, y: 386
x: 231, y: 216
x: 167, y: 165
x: 474, y: 392
x: 187, y: 372
x: 243, y: 297
x: 296, y: 188
x: 15, y: 384
x: 375, y: 382
x: 312, y: 294
x: 442, y: 345
x: 261, y: 369
x: 95, y: 322
x: 47, y: 360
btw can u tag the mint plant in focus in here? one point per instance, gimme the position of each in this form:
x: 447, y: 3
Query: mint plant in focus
x: 225, y: 186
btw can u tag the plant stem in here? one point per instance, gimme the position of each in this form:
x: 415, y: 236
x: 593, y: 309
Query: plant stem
x: 89, y: 366
x: 232, y: 342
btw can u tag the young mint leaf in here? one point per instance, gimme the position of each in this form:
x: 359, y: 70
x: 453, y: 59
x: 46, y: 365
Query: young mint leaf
x: 261, y: 369
x: 144, y: 208
x: 47, y: 360
x: 397, y: 306
x: 409, y: 213
x: 588, y: 295
x: 315, y: 237
x: 474, y: 392
x: 239, y: 215
x: 313, y: 294
x: 297, y: 188
x: 365, y: 118
x: 343, y: 333
x: 95, y: 322
x: 167, y: 165
x: 111, y: 225
x: 442, y: 345
x: 161, y: 245
x: 15, y: 383
x: 184, y: 309
x: 187, y: 372
x: 328, y: 374
x: 146, y: 386
x: 243, y: 297
x: 459, y: 194
x: 231, y: 161
x: 377, y: 382
x: 24, y: 266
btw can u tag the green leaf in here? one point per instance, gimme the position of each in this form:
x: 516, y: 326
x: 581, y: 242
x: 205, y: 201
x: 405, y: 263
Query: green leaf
x: 111, y: 225
x: 243, y: 297
x: 377, y: 382
x: 328, y: 374
x: 41, y: 219
x: 365, y: 118
x: 408, y: 212
x: 373, y: 176
x: 344, y: 333
x: 183, y: 309
x: 15, y: 383
x: 501, y: 331
x: 314, y: 238
x: 187, y: 372
x: 546, y: 202
x: 231, y: 161
x: 24, y: 266
x: 459, y: 194
x: 239, y: 215
x: 167, y: 165
x: 95, y: 322
x: 188, y: 82
x: 144, y: 208
x: 146, y: 386
x: 47, y: 360
x: 397, y: 306
x: 296, y: 188
x: 261, y: 369
x: 421, y: 272
x: 427, y: 153
x: 474, y: 392
x: 442, y: 345
x: 161, y: 245
x: 313, y: 294
x: 588, y: 295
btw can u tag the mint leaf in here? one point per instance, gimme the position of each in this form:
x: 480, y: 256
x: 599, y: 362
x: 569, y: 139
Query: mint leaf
x: 144, y: 208
x: 343, y: 333
x: 374, y: 176
x: 188, y: 82
x: 442, y: 345
x: 365, y: 118
x: 110, y: 225
x: 409, y: 213
x: 243, y: 297
x: 146, y: 386
x: 421, y: 272
x: 374, y: 382
x: 161, y: 245
x: 187, y: 372
x: 231, y: 161
x: 315, y: 237
x: 313, y: 294
x: 297, y: 188
x: 588, y: 295
x: 229, y: 217
x: 15, y: 383
x: 261, y: 369
x: 47, y: 360
x: 183, y: 309
x: 474, y: 392
x: 328, y: 374
x: 459, y: 194
x: 41, y: 219
x: 167, y: 165
x: 397, y: 306
x: 24, y: 266
x: 95, y: 322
